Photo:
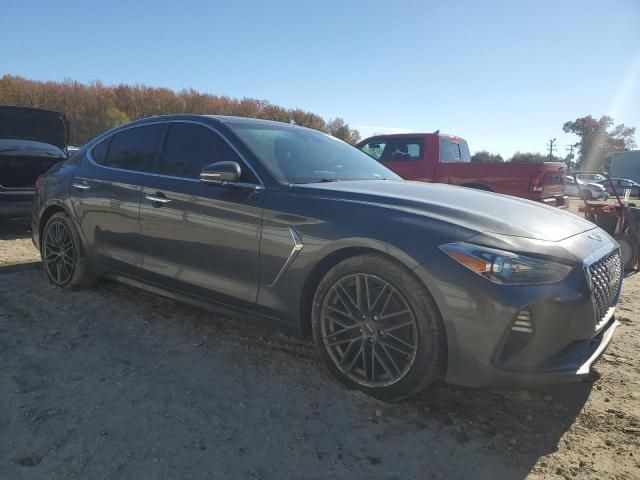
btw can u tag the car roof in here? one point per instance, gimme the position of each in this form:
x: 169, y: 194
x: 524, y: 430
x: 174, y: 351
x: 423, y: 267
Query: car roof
x: 219, y: 119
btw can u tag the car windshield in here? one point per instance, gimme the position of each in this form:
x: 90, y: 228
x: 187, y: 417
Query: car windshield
x: 300, y: 155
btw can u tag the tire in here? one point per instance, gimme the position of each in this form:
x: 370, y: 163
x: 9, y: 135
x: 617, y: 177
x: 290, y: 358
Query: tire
x: 629, y: 250
x: 62, y: 254
x: 587, y: 195
x: 397, y: 327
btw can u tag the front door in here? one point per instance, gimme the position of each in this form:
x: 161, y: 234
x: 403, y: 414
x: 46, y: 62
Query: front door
x: 200, y: 238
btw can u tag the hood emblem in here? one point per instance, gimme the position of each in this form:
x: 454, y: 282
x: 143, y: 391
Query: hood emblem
x: 595, y: 236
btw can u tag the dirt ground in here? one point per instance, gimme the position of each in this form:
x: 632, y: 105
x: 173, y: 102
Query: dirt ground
x: 112, y: 383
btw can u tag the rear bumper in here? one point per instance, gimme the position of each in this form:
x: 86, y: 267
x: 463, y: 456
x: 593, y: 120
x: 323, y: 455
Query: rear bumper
x: 558, y: 201
x: 15, y: 208
x: 16, y: 202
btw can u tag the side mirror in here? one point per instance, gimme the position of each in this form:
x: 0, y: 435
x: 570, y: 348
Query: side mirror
x: 220, y: 172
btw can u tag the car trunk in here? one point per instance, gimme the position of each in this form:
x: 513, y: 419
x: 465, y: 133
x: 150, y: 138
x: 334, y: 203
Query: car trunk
x: 21, y: 171
x: 31, y: 141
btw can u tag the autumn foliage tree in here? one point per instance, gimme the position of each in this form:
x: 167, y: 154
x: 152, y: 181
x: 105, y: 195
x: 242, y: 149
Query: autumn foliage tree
x: 599, y: 138
x: 94, y: 108
x: 529, y: 157
x: 485, y: 157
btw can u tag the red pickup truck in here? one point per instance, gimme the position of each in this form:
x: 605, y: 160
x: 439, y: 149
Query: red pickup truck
x: 436, y: 157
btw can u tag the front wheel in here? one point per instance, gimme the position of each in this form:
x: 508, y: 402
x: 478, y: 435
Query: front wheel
x: 377, y: 328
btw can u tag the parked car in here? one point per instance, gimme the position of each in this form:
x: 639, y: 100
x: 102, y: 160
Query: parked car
x: 621, y: 184
x: 440, y: 158
x: 590, y: 191
x: 590, y: 177
x: 31, y: 141
x: 395, y: 281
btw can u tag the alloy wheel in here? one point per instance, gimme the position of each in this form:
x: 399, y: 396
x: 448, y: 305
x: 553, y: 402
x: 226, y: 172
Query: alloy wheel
x: 369, y: 330
x: 58, y: 253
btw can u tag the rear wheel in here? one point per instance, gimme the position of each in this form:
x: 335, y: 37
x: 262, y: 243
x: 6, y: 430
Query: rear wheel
x: 628, y: 250
x: 62, y: 254
x: 377, y: 328
x: 587, y: 195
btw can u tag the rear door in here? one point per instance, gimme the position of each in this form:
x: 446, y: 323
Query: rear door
x: 106, y: 193
x: 201, y: 238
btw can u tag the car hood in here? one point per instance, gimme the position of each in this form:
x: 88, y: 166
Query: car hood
x: 474, y: 209
x: 25, y: 123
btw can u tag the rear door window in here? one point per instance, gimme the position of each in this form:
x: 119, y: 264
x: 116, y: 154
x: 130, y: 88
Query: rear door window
x: 132, y: 149
x: 189, y: 148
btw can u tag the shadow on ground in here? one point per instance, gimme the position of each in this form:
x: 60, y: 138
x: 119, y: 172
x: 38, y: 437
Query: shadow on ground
x: 112, y: 382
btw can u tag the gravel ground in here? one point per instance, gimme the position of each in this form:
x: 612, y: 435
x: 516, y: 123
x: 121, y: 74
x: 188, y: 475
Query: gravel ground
x: 112, y: 382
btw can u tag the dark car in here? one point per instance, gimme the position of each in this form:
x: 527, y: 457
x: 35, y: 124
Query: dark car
x: 621, y: 184
x: 399, y: 283
x: 31, y: 141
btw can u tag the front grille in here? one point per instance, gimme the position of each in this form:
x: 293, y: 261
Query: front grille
x: 605, y: 279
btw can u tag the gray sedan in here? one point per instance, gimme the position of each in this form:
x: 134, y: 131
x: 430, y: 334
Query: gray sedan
x: 398, y: 283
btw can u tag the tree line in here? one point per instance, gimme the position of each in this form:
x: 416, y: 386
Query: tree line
x: 94, y: 108
x: 598, y: 140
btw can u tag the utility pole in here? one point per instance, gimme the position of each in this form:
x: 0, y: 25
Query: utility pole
x: 570, y: 156
x: 552, y: 146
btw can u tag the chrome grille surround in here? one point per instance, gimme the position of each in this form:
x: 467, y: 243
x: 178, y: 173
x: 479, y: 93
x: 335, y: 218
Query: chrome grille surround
x: 604, y: 276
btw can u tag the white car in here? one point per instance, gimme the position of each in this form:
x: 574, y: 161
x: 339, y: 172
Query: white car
x: 591, y: 191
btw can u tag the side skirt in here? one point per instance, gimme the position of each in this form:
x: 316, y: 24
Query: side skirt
x: 257, y: 319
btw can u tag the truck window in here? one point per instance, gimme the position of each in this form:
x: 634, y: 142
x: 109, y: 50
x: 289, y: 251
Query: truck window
x: 403, y: 149
x: 374, y: 149
x: 393, y: 150
x: 454, y: 151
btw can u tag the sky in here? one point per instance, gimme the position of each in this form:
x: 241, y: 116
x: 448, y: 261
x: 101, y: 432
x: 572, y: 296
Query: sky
x: 505, y: 75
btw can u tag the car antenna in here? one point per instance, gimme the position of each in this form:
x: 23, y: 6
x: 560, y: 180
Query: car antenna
x: 437, y: 131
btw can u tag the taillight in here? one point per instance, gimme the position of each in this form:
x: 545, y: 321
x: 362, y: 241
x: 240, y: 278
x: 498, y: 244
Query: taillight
x: 37, y: 185
x: 537, y: 182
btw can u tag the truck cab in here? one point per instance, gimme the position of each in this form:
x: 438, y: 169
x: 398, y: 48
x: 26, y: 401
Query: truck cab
x: 442, y: 158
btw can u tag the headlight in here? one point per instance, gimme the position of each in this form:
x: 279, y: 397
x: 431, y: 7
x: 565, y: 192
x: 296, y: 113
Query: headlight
x: 506, y: 267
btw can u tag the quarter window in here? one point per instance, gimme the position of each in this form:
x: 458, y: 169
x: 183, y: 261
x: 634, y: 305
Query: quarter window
x: 99, y: 152
x: 131, y: 149
x: 189, y: 148
x: 451, y: 151
x: 374, y: 149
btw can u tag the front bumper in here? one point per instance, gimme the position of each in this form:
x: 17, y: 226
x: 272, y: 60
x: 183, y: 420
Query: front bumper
x: 491, y: 343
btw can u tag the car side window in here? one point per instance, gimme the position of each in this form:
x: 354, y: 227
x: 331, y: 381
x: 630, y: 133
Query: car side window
x: 189, y: 148
x: 374, y: 149
x: 131, y: 149
x: 99, y: 152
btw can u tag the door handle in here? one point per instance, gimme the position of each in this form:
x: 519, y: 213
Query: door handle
x: 157, y: 199
x: 80, y: 186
